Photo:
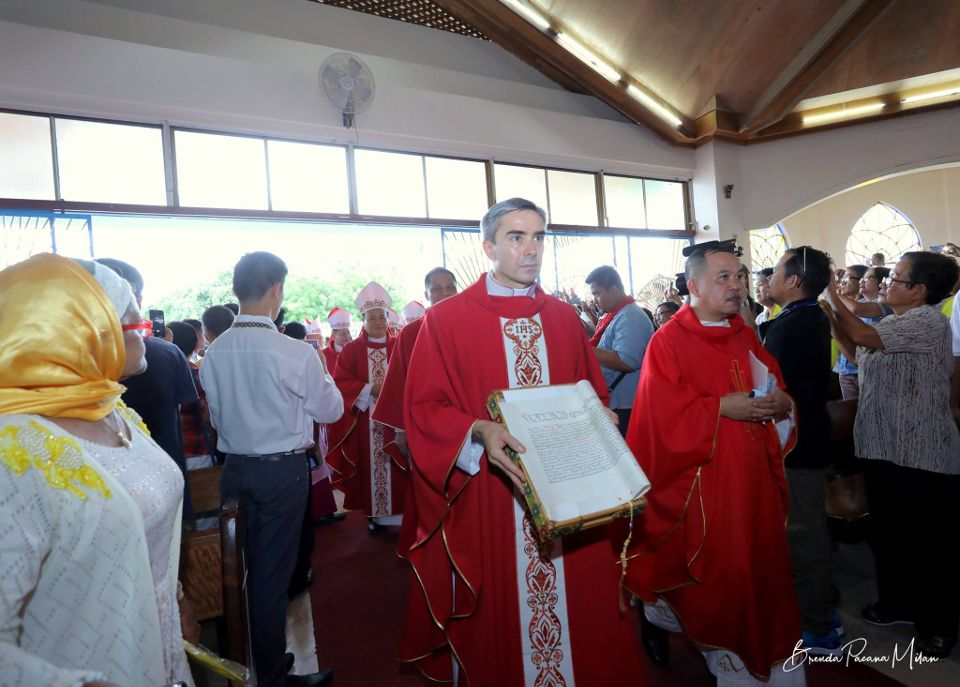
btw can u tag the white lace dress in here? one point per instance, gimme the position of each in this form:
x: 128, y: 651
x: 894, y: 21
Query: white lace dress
x: 88, y: 559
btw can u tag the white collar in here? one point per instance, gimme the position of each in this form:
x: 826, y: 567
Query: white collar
x: 495, y: 288
x: 721, y: 323
x: 380, y: 339
x: 337, y: 347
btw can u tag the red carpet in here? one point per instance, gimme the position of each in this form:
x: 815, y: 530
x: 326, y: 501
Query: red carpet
x: 359, y: 598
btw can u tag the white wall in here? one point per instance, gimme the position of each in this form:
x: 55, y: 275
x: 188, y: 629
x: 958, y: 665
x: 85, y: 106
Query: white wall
x: 252, y: 65
x: 930, y: 200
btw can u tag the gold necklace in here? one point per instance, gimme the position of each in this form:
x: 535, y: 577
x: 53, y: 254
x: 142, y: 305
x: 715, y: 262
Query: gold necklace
x: 119, y: 431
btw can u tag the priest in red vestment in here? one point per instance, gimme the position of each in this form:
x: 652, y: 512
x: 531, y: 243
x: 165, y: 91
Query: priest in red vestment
x: 490, y: 604
x: 371, y: 473
x: 339, y: 321
x: 711, y: 548
x: 439, y: 283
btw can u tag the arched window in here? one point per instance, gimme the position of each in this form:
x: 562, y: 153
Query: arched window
x: 881, y: 229
x: 767, y: 246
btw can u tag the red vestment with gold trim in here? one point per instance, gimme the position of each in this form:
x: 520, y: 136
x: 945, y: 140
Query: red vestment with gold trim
x: 511, y: 610
x: 712, y: 541
x: 369, y: 472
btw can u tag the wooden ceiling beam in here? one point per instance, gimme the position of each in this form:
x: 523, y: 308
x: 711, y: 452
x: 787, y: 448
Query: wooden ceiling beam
x: 849, y: 25
x: 538, y: 49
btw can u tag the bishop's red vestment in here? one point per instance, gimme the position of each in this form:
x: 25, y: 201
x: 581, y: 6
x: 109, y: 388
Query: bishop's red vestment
x: 371, y: 475
x: 712, y: 541
x: 511, y: 609
x: 330, y: 355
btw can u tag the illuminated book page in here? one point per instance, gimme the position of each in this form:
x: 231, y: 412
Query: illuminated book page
x: 576, y: 459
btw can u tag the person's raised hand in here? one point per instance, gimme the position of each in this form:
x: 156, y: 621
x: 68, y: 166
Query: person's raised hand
x: 495, y: 438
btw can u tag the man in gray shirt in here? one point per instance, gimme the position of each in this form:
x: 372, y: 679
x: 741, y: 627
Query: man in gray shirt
x: 620, y: 339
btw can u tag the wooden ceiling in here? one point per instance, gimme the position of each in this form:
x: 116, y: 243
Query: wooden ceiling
x: 741, y: 70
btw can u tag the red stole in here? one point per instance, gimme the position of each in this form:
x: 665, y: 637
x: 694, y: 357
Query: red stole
x: 465, y: 544
x: 606, y: 320
x: 712, y: 541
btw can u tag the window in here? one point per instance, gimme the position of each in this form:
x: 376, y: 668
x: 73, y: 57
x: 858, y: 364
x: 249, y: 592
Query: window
x: 110, y: 163
x: 308, y: 178
x: 26, y: 234
x: 573, y: 198
x: 654, y: 263
x: 390, y: 184
x: 624, y: 202
x: 456, y: 189
x: 569, y: 258
x: 767, y: 246
x: 881, y: 229
x: 220, y: 171
x: 664, y: 201
x: 463, y: 255
x: 644, y: 203
x: 27, y: 169
x: 513, y: 181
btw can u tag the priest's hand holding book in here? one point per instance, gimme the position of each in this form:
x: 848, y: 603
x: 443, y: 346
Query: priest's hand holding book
x: 495, y: 437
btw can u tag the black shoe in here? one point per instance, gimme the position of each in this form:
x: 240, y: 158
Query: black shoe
x: 288, y: 659
x: 656, y: 641
x: 329, y: 519
x: 373, y: 529
x: 935, y: 646
x: 324, y: 677
x: 876, y: 614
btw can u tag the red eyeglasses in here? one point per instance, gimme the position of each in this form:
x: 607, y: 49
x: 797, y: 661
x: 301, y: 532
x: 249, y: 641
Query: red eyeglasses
x: 144, y: 328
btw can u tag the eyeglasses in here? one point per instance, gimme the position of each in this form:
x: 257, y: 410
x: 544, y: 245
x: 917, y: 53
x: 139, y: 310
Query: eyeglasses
x: 847, y: 280
x: 143, y: 328
x: 891, y: 280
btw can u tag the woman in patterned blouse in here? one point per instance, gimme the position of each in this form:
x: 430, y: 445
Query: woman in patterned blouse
x: 905, y: 431
x: 89, y: 504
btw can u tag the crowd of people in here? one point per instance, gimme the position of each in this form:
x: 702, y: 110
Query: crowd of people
x: 721, y: 396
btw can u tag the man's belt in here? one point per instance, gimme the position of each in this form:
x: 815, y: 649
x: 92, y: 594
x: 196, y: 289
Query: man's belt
x: 269, y: 457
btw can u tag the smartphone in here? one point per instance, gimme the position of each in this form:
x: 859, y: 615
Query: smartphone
x: 157, y: 323
x: 312, y: 342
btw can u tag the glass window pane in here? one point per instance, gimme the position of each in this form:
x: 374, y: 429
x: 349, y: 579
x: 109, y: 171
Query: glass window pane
x: 521, y: 182
x: 110, y: 163
x: 22, y: 236
x: 390, y: 184
x: 305, y: 177
x: 623, y: 197
x: 215, y: 171
x: 27, y: 169
x: 654, y: 263
x: 665, y: 205
x: 456, y: 189
x: 573, y: 198
x: 569, y: 258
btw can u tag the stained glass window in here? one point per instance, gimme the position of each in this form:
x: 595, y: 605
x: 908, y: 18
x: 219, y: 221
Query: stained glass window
x: 767, y: 246
x: 881, y: 229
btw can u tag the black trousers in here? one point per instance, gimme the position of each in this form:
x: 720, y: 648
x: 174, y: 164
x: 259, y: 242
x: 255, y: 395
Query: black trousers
x: 914, y: 537
x: 273, y: 495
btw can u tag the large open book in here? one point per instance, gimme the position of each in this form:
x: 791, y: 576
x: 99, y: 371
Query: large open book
x: 579, y: 470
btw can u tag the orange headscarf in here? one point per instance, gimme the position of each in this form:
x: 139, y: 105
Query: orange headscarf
x: 61, y: 346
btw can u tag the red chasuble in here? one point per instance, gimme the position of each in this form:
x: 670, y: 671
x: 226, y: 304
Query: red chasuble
x: 712, y: 541
x: 371, y: 475
x: 511, y: 610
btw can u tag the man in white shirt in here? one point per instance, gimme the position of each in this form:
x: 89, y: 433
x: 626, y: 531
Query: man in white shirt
x: 264, y: 391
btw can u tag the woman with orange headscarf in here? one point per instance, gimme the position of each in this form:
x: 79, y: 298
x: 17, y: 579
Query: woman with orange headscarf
x: 89, y: 504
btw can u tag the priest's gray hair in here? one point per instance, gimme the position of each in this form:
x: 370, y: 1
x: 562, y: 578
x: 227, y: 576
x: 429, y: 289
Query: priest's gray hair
x: 491, y: 221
